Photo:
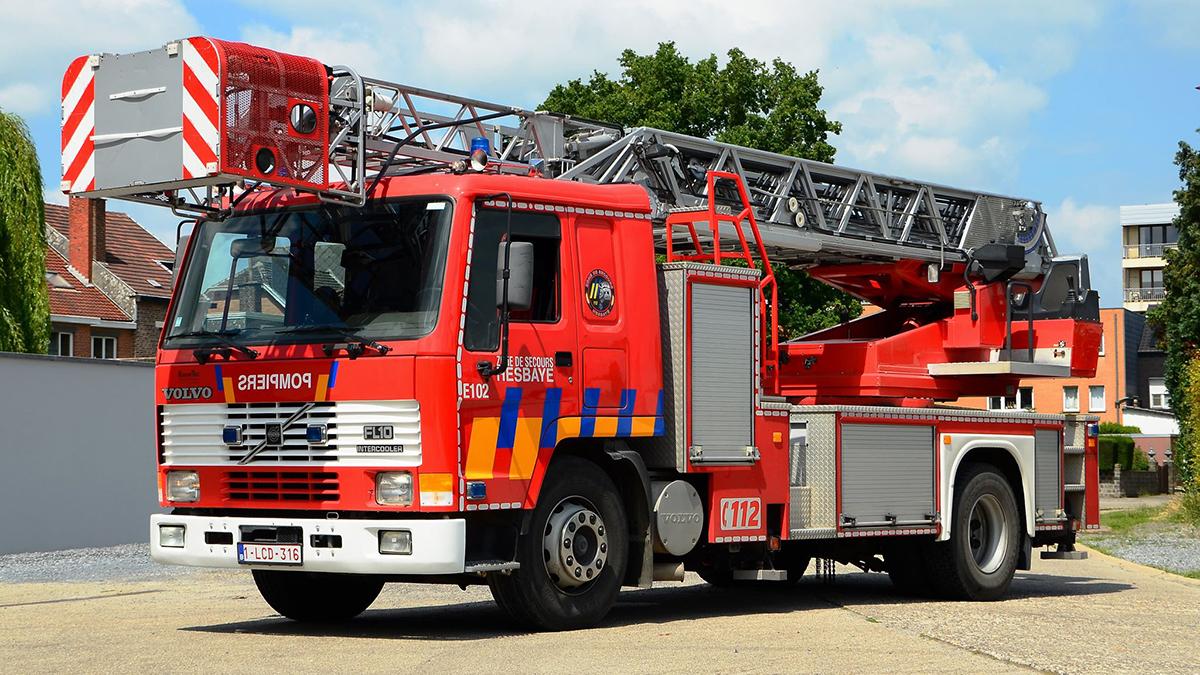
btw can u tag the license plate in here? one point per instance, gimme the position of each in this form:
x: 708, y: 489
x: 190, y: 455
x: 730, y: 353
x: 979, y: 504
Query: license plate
x: 270, y: 554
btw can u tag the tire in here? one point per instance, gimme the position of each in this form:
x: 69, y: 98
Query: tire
x: 908, y: 569
x: 548, y: 592
x: 980, y: 558
x: 317, y: 597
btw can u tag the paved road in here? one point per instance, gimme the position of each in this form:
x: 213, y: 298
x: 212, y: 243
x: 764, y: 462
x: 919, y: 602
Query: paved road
x: 1096, y: 615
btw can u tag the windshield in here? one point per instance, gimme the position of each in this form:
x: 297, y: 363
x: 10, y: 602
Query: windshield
x: 287, y: 276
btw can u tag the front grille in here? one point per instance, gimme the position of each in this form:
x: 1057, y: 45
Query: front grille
x: 191, y: 433
x: 280, y: 486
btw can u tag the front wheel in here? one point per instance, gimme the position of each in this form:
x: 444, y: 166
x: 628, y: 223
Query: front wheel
x: 573, y: 556
x: 317, y: 597
x: 980, y: 559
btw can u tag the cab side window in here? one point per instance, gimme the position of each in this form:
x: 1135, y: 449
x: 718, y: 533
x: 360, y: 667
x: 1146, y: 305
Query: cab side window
x: 544, y: 231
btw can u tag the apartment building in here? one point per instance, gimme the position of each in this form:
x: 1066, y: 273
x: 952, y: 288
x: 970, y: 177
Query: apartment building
x: 1147, y: 231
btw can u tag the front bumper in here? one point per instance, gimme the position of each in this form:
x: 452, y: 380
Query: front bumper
x: 438, y: 546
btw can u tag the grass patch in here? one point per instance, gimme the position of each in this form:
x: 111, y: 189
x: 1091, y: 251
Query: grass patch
x: 1124, y: 521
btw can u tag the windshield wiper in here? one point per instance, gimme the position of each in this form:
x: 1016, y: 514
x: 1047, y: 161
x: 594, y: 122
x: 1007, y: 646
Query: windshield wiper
x: 225, y: 337
x: 355, y: 348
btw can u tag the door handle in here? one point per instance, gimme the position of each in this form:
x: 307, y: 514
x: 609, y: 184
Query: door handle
x: 563, y: 359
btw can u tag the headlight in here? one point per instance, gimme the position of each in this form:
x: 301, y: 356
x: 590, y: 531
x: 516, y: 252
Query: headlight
x: 183, y: 486
x: 393, y: 488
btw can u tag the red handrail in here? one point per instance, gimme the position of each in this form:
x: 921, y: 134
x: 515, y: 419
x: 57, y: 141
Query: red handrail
x: 770, y: 318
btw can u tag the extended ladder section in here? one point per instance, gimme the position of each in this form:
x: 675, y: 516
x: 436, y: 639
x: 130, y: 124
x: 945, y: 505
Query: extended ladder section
x: 191, y: 123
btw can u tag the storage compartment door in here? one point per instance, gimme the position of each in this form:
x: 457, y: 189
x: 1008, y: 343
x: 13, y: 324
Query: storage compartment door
x: 1047, y: 497
x: 886, y: 475
x: 722, y: 374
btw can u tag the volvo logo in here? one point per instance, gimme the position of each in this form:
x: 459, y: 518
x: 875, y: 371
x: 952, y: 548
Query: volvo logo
x: 274, y: 434
x: 679, y: 518
x: 187, y: 393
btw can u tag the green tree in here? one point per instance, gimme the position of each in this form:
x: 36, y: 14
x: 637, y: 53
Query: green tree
x: 1177, y: 318
x: 747, y: 102
x: 24, y: 303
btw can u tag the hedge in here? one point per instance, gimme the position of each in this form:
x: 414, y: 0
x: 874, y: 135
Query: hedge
x: 1114, y: 428
x: 1116, y: 449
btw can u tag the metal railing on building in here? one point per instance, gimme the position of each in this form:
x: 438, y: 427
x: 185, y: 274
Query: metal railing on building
x: 1153, y: 294
x: 1147, y: 250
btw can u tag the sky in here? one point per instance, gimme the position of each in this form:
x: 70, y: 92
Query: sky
x: 1077, y: 105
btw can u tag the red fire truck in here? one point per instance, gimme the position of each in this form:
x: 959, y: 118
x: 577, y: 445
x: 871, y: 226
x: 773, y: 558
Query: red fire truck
x: 421, y: 337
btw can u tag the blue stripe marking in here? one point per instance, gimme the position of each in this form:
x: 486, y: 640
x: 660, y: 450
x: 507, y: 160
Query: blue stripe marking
x: 508, y: 417
x: 550, y: 417
x: 660, y: 427
x: 625, y: 421
x: 220, y: 382
x: 333, y: 374
x: 591, y: 400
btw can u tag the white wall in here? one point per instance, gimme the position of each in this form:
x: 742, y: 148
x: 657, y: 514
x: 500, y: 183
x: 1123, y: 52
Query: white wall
x: 77, y: 451
x: 1150, y: 422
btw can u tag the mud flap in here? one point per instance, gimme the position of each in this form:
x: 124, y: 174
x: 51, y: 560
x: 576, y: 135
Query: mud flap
x: 1025, y: 557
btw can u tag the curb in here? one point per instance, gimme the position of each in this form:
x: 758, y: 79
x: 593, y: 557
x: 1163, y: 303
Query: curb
x: 1138, y: 567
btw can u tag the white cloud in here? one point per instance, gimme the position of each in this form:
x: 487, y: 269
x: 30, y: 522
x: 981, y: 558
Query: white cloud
x: 1176, y: 22
x: 39, y: 39
x: 53, y: 196
x: 939, y: 90
x: 1095, y: 230
x: 1078, y: 226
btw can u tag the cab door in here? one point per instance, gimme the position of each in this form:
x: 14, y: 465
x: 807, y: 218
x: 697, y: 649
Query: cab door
x: 510, y: 419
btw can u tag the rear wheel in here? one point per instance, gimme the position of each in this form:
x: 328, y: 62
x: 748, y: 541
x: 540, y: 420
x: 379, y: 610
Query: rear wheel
x: 317, y: 597
x: 979, y: 560
x: 573, y: 557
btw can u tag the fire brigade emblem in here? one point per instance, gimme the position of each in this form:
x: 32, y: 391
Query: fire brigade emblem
x: 599, y: 292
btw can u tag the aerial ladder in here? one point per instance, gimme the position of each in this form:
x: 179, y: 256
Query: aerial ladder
x: 930, y: 255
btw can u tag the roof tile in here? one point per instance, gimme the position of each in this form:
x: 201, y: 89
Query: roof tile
x: 131, y: 252
x: 80, y: 299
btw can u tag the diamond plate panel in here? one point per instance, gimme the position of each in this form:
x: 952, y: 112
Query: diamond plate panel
x: 820, y: 464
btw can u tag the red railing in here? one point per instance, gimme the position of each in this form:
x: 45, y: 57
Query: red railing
x: 770, y: 299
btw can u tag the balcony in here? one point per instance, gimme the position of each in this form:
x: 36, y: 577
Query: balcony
x: 1135, y: 251
x: 1149, y: 294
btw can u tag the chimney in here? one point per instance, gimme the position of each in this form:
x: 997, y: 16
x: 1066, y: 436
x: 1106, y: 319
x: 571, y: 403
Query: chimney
x: 85, y: 230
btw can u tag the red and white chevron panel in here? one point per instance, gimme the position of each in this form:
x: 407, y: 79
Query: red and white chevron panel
x: 78, y: 125
x: 201, y: 107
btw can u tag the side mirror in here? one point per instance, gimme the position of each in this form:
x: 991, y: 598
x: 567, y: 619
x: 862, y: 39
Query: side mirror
x: 520, y: 275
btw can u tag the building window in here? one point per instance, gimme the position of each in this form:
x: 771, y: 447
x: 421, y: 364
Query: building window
x: 62, y: 344
x: 1101, y: 344
x: 1071, y: 399
x: 104, y: 347
x: 1022, y: 401
x: 1096, y: 398
x: 1159, y: 398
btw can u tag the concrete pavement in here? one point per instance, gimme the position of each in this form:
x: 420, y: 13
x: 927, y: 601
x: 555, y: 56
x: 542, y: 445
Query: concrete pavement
x: 1096, y: 615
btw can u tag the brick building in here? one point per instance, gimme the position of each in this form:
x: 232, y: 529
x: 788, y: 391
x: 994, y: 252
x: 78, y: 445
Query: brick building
x: 109, y: 281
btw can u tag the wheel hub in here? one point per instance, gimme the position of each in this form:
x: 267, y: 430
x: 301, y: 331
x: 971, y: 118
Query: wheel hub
x: 575, y: 544
x: 987, y: 533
